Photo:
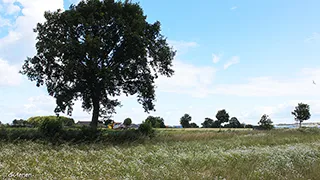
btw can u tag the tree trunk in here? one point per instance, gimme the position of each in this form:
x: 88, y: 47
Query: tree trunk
x: 95, y: 114
x: 300, y: 124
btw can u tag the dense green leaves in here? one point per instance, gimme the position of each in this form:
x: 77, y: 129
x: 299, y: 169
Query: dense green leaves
x: 265, y: 122
x: 127, y: 122
x: 233, y: 123
x: 222, y: 116
x: 156, y: 122
x: 210, y: 123
x: 95, y: 51
x: 301, y: 112
x: 185, y: 121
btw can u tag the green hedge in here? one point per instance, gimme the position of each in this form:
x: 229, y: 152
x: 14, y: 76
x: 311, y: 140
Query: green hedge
x: 36, y: 121
x: 73, y: 135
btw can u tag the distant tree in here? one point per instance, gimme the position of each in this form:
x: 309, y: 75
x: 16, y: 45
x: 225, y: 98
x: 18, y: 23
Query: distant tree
x: 301, y: 113
x: 233, y: 123
x: 210, y: 123
x: 20, y: 123
x: 185, y: 121
x: 265, y: 122
x: 248, y: 126
x: 95, y: 51
x: 193, y: 125
x: 207, y: 123
x: 127, y: 122
x: 156, y: 122
x: 222, y: 117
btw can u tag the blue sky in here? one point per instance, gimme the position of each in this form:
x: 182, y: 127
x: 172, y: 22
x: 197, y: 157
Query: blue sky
x: 247, y: 57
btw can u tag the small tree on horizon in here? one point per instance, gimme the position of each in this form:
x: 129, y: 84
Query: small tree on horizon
x: 156, y: 122
x: 193, y: 125
x: 265, y: 122
x: 234, y: 123
x: 301, y: 113
x: 222, y: 117
x: 185, y: 120
x: 127, y: 122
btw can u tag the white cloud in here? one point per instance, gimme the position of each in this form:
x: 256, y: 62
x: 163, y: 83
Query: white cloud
x: 182, y: 46
x: 234, y: 60
x: 9, y: 75
x: 216, y: 58
x: 12, y: 9
x: 301, y: 85
x: 233, y: 8
x: 4, y: 22
x: 21, y: 36
x: 315, y: 36
x: 188, y: 79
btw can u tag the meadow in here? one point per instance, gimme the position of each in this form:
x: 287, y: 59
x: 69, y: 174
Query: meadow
x: 196, y: 154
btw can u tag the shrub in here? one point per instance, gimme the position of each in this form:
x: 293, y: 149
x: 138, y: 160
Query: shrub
x: 127, y: 122
x: 36, y: 121
x: 146, y: 129
x: 49, y: 127
x: 12, y: 134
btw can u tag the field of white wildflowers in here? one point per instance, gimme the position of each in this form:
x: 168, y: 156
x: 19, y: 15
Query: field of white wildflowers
x: 281, y: 154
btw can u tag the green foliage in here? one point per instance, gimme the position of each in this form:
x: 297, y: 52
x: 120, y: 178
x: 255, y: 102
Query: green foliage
x: 21, y: 133
x: 127, y: 122
x: 193, y: 125
x: 233, y: 123
x: 146, y: 129
x: 156, y: 122
x: 97, y: 50
x: 265, y: 122
x: 222, y: 116
x: 301, y: 112
x: 37, y: 120
x: 20, y: 123
x: 185, y: 120
x: 50, y: 127
x: 248, y: 126
x: 210, y: 123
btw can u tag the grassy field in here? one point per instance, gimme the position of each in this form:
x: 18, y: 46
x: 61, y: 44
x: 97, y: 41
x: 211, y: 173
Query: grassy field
x: 278, y: 154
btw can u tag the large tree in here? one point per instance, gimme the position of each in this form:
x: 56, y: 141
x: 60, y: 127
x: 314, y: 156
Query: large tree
x: 222, y: 116
x: 95, y: 51
x: 185, y: 120
x: 301, y: 113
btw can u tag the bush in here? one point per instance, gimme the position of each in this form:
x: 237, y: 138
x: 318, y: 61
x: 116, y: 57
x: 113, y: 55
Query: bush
x: 12, y: 134
x: 146, y: 129
x: 36, y: 121
x: 49, y: 127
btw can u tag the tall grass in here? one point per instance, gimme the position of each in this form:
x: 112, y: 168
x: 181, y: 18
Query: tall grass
x: 278, y: 154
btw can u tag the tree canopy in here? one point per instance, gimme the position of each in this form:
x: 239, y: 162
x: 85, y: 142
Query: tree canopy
x: 222, y: 116
x: 210, y: 123
x: 156, y: 122
x: 96, y: 51
x: 185, y: 120
x: 301, y: 113
x: 234, y: 123
x: 127, y: 122
x: 265, y: 122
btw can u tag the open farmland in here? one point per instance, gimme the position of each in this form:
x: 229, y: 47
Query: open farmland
x: 277, y: 154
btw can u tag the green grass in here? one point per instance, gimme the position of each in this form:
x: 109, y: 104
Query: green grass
x: 277, y: 154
